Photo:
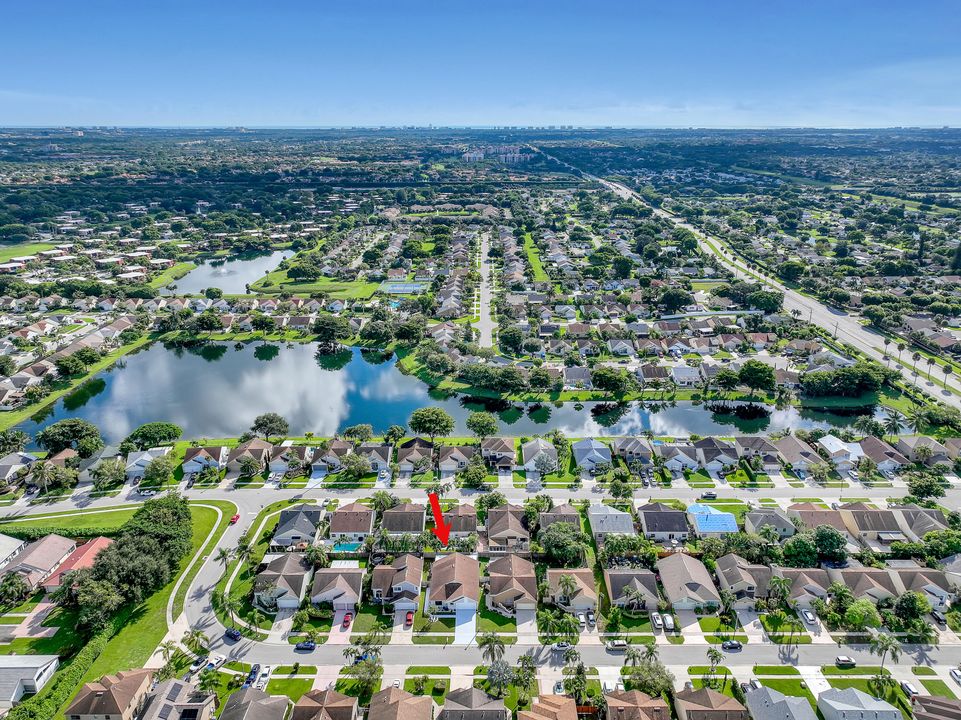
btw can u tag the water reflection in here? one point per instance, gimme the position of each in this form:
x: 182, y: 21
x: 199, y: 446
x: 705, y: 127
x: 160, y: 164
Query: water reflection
x: 232, y: 275
x: 214, y: 393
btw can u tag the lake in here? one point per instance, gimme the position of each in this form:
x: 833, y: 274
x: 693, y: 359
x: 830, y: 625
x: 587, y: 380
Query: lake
x: 217, y: 389
x: 231, y: 274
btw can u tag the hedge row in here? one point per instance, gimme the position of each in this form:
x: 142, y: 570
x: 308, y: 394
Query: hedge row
x: 35, y: 533
x: 45, y: 705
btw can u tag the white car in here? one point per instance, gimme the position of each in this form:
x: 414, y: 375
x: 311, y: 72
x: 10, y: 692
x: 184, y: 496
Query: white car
x: 668, y: 622
x: 264, y: 676
x: 198, y: 664
x: 148, y: 493
x: 656, y: 620
x: 582, y: 619
x: 809, y: 617
x: 955, y: 675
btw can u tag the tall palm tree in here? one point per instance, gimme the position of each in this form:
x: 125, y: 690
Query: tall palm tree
x: 224, y: 556
x: 650, y: 652
x: 167, y: 649
x: 884, y: 644
x: 568, y: 586
x: 571, y: 656
x: 633, y: 656
x: 547, y: 621
x: 195, y: 638
x: 893, y: 422
x: 208, y: 682
x: 714, y: 656
x: 779, y: 588
x: 492, y: 646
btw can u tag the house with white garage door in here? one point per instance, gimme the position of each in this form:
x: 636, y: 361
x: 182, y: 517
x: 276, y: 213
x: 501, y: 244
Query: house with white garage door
x: 454, y: 585
x: 339, y: 587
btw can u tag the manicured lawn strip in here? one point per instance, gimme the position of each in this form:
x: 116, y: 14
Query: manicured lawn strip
x: 433, y: 639
x: 923, y: 670
x: 293, y: 688
x: 428, y: 670
x: 8, y: 252
x: 106, y: 518
x: 228, y: 509
x: 437, y: 688
x: 289, y: 670
x: 534, y: 258
x: 828, y: 670
x: 775, y: 670
x: 938, y: 687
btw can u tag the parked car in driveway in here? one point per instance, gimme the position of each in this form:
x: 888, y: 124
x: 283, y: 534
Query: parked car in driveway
x: 347, y: 620
x: 955, y: 675
x: 656, y: 620
x: 409, y: 618
x: 199, y: 663
x: 809, y: 617
x: 668, y: 622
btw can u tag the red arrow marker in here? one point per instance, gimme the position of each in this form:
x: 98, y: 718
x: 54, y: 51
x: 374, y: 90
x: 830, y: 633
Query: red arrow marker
x: 440, y: 529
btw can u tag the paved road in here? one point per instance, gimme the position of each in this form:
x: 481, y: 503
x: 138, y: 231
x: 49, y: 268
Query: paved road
x: 199, y: 614
x: 846, y: 328
x: 486, y: 323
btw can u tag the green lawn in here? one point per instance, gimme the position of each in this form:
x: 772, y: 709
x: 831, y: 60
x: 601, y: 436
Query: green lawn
x: 291, y: 687
x: 107, y: 518
x: 923, y: 670
x: 775, y: 670
x: 829, y: 670
x: 278, y: 282
x: 11, y: 251
x: 534, y: 258
x: 175, y: 272
x: 938, y: 687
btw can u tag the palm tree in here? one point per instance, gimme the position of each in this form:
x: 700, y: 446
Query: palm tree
x: 779, y: 588
x: 195, y: 638
x: 714, y: 656
x: 914, y: 358
x: 568, y: 586
x: 883, y: 644
x: 208, y: 682
x: 548, y: 623
x: 224, y: 556
x: 633, y: 655
x: 42, y: 473
x: 167, y: 649
x: 492, y: 646
x: 650, y: 652
x: 930, y: 364
x: 917, y: 419
x: 901, y: 348
x: 571, y: 656
x: 351, y: 653
x: 770, y: 534
x: 892, y: 425
x: 228, y: 604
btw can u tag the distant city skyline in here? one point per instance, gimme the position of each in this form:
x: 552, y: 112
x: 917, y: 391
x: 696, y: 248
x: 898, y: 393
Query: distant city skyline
x: 404, y: 63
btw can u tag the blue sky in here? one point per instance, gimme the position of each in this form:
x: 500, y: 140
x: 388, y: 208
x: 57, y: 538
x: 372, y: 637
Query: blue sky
x: 726, y: 63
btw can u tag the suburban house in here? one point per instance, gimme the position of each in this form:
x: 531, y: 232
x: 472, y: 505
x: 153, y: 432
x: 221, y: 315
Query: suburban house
x: 810, y: 515
x: 663, y: 524
x: 256, y: 449
x: 123, y: 696
x: 583, y: 594
x: 282, y: 582
x: 415, y: 455
x: 398, y: 584
x: 885, y: 457
x: 687, y: 583
x: 473, y: 704
x: 324, y: 704
x: 755, y: 446
x: 13, y: 463
x: 933, y: 707
x: 506, y: 531
x: 636, y: 705
x: 498, y: 452
x: 252, y: 704
x: 709, y: 521
x: 197, y: 459
x: 88, y: 465
x: 606, y: 520
x: 331, y: 458
x: 874, y: 527
x: 538, y: 453
x: 797, y: 455
x: 138, y: 461
x: 80, y: 559
x: 679, y: 457
x: 179, y: 699
x: 404, y: 519
x: 351, y: 523
x: 591, y: 455
x: 632, y: 588
x: 807, y: 585
x: 340, y: 587
x: 550, y: 707
x: 397, y: 704
x: 916, y: 522
x: 290, y: 459
x: 707, y: 704
x: 934, y: 453
x: 565, y: 513
x: 378, y: 454
x: 10, y: 547
x: 462, y: 519
x: 297, y: 527
x: 40, y: 559
x: 931, y: 583
x: 765, y: 703
x: 454, y: 585
x: 511, y: 584
x: 745, y: 581
x: 634, y: 450
x: 714, y: 455
x: 452, y: 459
x: 24, y: 674
x: 769, y: 517
x: 853, y: 704
x: 844, y: 455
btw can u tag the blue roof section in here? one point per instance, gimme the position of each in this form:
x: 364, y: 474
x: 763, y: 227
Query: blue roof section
x: 709, y: 519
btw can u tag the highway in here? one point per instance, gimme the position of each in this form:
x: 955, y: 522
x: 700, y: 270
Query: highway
x: 844, y: 327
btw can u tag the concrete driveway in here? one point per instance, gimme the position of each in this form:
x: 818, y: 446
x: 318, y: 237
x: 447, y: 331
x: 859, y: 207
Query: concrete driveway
x: 400, y: 632
x: 526, y: 626
x: 339, y: 635
x: 465, y: 626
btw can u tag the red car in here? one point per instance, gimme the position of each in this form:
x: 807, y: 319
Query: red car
x: 234, y: 519
x: 347, y: 618
x: 410, y: 618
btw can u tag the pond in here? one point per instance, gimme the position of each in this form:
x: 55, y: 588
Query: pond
x: 231, y: 274
x: 216, y: 390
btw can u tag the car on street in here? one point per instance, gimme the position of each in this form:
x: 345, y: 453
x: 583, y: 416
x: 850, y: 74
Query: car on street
x: 559, y: 687
x: 656, y: 620
x: 809, y: 617
x: 147, y: 493
x: 306, y: 646
x: 731, y: 645
x: 709, y: 495
x: 396, y: 683
x: 234, y: 519
x: 617, y: 645
x: 409, y: 618
x: 199, y: 663
x: 955, y: 675
x: 844, y: 661
x: 561, y: 646
x: 232, y: 634
x: 347, y: 620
